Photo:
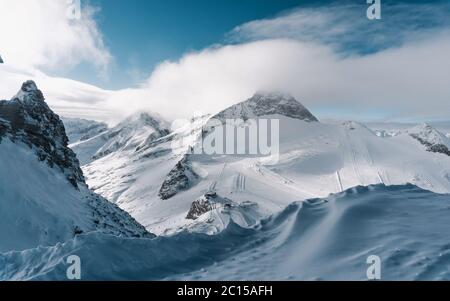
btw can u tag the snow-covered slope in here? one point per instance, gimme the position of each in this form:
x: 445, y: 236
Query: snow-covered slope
x: 133, y: 133
x: 43, y: 195
x: 328, y: 239
x: 158, y: 184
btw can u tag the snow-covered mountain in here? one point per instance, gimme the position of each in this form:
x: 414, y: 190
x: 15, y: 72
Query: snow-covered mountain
x: 43, y: 195
x: 133, y: 133
x: 160, y: 182
x: 274, y: 219
x: 79, y: 130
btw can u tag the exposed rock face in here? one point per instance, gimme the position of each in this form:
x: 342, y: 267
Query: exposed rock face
x: 435, y: 141
x: 110, y: 219
x: 434, y: 148
x: 181, y: 177
x: 198, y: 208
x: 263, y: 104
x: 1, y: 60
x: 206, y: 203
x: 28, y: 119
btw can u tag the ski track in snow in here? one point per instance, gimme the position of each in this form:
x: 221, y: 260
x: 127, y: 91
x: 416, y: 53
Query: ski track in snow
x: 338, y: 177
x: 239, y: 183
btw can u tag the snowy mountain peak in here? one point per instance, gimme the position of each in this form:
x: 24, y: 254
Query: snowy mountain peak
x: 273, y: 96
x: 29, y: 86
x: 28, y: 119
x: 30, y: 95
x: 269, y: 103
x: 429, y: 134
x: 143, y: 119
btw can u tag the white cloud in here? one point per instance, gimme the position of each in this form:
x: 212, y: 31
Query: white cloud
x: 409, y: 81
x: 66, y: 97
x: 406, y: 81
x: 38, y: 33
x: 346, y: 28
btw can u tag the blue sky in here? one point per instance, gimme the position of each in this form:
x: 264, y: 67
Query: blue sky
x: 327, y: 54
x: 143, y: 33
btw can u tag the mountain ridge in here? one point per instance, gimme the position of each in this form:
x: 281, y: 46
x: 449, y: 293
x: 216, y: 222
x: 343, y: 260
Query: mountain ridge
x: 44, y: 198
x: 265, y: 104
x: 27, y: 118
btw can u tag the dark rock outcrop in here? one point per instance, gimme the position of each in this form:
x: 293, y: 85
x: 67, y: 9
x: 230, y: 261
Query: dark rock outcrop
x: 198, y: 208
x: 433, y: 148
x: 27, y: 118
x: 263, y: 104
x: 181, y: 177
x: 432, y: 139
x: 206, y: 203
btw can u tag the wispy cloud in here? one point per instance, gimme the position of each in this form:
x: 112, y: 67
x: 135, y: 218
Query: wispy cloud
x: 40, y: 34
x: 408, y: 81
x: 399, y: 69
x: 346, y: 28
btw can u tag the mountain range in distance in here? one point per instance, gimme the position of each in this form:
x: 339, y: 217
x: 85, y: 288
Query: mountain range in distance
x: 73, y: 184
x: 135, y: 166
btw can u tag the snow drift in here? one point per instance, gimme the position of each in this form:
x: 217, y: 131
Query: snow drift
x: 328, y: 239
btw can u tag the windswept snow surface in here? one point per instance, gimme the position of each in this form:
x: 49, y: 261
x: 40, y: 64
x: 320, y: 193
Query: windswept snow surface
x: 328, y: 239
